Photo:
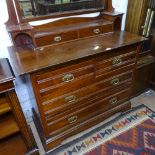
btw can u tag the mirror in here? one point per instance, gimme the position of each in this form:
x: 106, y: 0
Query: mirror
x: 33, y: 8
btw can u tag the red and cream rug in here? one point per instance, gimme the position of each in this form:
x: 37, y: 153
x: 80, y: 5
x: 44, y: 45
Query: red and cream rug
x: 132, y: 133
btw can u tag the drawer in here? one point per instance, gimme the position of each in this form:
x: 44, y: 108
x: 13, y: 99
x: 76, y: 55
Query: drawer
x: 56, y: 38
x: 105, y: 65
x: 47, y: 76
x: 81, y: 96
x: 112, y: 73
x: 107, y: 28
x: 8, y: 126
x: 71, y: 118
x: 64, y: 88
x: 90, y: 31
x: 4, y: 105
x: 57, y: 82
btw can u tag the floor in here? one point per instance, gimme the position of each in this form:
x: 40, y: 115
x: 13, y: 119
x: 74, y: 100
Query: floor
x: 147, y: 98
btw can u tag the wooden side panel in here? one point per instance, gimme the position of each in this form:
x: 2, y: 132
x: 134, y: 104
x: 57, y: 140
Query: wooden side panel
x: 21, y: 120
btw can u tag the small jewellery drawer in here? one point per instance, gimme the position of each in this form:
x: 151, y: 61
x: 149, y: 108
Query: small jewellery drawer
x: 56, y: 38
x: 105, y: 65
x: 81, y: 96
x: 64, y: 80
x: 90, y: 31
x: 107, y: 28
x: 68, y: 119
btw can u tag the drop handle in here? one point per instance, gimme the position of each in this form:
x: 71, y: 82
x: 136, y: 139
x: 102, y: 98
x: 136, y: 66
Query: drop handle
x: 57, y: 38
x: 113, y: 101
x: 115, y: 81
x: 117, y: 61
x: 72, y: 119
x: 70, y: 99
x: 68, y: 77
x: 96, y: 31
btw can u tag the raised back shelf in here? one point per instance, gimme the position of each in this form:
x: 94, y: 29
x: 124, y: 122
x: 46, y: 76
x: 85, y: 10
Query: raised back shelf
x: 67, y: 32
x: 63, y: 26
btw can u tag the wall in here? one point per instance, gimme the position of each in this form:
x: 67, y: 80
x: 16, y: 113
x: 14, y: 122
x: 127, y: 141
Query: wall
x: 121, y: 6
x: 4, y: 37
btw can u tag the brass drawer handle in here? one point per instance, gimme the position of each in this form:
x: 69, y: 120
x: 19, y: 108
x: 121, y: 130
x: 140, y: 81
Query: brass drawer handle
x: 117, y: 61
x: 115, y: 82
x: 70, y: 99
x: 72, y: 119
x: 113, y: 101
x: 68, y: 77
x: 57, y: 38
x: 96, y: 31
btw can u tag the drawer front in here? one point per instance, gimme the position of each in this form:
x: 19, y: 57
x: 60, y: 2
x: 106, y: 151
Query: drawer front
x: 96, y: 97
x: 61, y: 81
x: 107, y: 28
x: 86, y: 32
x: 58, y: 124
x: 106, y: 65
x: 102, y: 76
x: 46, y: 40
x: 81, y: 96
x: 43, y: 77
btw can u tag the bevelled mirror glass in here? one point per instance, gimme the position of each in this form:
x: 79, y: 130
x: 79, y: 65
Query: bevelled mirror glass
x: 32, y: 8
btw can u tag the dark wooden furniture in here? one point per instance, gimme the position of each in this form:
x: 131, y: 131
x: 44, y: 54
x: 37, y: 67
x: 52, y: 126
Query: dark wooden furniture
x: 80, y: 70
x: 140, y: 21
x: 15, y: 135
x: 76, y: 88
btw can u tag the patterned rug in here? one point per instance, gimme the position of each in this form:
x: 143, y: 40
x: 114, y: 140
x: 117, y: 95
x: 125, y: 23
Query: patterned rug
x: 132, y: 133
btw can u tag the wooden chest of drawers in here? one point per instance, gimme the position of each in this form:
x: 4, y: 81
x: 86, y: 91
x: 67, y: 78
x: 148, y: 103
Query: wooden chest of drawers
x: 76, y: 96
x: 78, y: 84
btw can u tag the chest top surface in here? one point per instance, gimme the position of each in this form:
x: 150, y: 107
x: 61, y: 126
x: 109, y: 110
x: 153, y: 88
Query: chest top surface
x: 6, y: 74
x: 26, y: 60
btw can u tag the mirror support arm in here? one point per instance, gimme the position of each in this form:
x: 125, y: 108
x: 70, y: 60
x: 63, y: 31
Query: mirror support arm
x: 13, y: 19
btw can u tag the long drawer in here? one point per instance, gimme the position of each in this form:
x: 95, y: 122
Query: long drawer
x: 81, y: 96
x: 68, y: 119
x: 105, y: 65
x: 66, y: 79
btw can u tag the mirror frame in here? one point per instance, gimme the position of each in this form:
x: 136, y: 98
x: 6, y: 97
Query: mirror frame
x: 107, y: 7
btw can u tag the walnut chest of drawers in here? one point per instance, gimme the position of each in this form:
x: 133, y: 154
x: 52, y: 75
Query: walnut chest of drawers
x: 78, y: 84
